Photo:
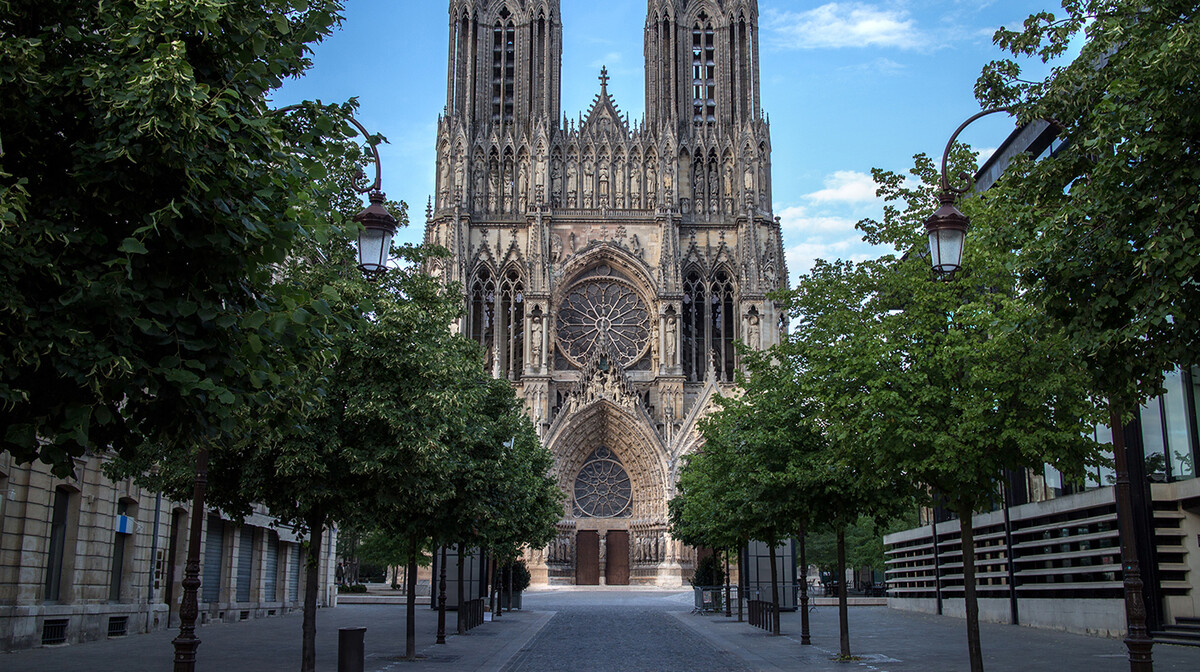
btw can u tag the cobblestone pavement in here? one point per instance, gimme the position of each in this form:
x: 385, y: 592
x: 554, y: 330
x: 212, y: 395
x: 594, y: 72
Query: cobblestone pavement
x: 618, y: 632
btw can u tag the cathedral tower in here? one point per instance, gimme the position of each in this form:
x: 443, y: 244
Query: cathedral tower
x: 702, y: 62
x: 609, y: 266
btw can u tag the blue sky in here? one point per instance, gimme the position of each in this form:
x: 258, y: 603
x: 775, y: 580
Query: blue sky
x: 847, y: 85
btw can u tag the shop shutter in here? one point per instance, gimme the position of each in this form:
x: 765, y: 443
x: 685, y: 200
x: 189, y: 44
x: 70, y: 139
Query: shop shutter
x: 270, y: 567
x: 293, y: 573
x: 245, y: 563
x: 214, y: 550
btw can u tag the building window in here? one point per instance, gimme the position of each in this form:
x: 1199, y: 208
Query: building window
x: 722, y: 333
x: 483, y: 312
x: 709, y: 329
x: 1169, y: 430
x: 704, y: 72
x: 503, y: 70
x: 60, y: 536
x: 512, y: 309
x: 694, y: 311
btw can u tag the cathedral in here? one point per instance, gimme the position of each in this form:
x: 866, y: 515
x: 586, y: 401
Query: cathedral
x: 608, y: 266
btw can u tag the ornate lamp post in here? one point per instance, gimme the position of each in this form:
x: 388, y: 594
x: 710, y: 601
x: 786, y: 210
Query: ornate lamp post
x: 947, y: 229
x: 374, y: 246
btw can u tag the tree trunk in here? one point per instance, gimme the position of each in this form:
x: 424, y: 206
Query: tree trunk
x: 774, y: 594
x: 970, y: 599
x: 509, y: 601
x: 1137, y: 638
x: 805, y: 637
x: 728, y: 606
x: 462, y: 628
x: 441, y: 620
x: 410, y: 619
x: 741, y: 582
x: 843, y: 611
x: 308, y: 647
x: 492, y: 585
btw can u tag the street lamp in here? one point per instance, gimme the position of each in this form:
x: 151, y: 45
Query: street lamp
x: 374, y: 247
x: 375, y: 240
x: 947, y: 229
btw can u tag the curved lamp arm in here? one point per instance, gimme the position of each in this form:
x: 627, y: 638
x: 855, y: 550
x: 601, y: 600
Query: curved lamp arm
x: 377, y: 185
x: 379, y: 226
x: 946, y: 187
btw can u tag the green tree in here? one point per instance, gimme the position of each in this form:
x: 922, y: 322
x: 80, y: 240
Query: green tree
x: 847, y: 476
x: 145, y: 190
x: 958, y: 380
x: 1106, y: 227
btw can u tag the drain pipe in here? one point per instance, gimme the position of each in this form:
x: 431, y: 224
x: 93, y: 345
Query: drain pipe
x: 153, y: 560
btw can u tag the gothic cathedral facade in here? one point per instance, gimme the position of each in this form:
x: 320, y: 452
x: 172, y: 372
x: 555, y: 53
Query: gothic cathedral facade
x: 608, y: 267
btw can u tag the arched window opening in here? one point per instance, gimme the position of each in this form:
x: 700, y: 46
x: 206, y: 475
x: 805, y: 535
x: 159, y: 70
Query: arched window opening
x: 704, y: 72
x: 497, y: 71
x: 483, y: 313
x: 721, y: 298
x: 510, y: 68
x: 512, y: 325
x: 693, y: 332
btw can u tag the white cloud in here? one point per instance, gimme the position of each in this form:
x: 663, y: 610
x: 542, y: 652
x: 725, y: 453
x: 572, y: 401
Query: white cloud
x: 878, y: 66
x: 609, y: 60
x: 845, y: 24
x: 845, y: 186
x: 985, y: 153
x: 801, y: 257
x: 798, y: 218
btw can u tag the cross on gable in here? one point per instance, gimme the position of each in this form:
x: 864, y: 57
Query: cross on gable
x: 604, y: 77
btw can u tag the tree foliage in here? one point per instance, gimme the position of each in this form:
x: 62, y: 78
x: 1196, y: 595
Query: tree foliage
x: 145, y: 189
x: 1106, y: 227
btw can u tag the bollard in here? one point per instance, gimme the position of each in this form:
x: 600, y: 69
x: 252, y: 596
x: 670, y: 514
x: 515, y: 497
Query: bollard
x: 351, y: 651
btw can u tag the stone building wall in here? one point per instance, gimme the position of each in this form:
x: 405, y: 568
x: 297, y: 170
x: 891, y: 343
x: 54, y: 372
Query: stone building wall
x: 149, y: 562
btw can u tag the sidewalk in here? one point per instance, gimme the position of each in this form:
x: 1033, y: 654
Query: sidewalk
x: 884, y: 640
x: 890, y: 640
x: 273, y: 644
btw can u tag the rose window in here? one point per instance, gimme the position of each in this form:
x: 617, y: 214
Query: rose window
x: 602, y: 488
x: 599, y: 310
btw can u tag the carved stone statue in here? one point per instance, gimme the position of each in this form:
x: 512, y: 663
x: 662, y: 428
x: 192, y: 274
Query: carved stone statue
x: 523, y: 184
x: 535, y: 342
x: 556, y: 184
x: 460, y: 184
x: 588, y: 183
x: 752, y: 332
x: 493, y: 190
x: 670, y: 340
x: 651, y: 188
x: 480, y: 192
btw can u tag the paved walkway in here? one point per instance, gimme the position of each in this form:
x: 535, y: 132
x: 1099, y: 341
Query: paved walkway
x: 619, y: 630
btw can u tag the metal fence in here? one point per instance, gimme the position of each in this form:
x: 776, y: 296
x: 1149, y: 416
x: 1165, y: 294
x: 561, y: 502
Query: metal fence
x: 762, y: 614
x: 473, y: 612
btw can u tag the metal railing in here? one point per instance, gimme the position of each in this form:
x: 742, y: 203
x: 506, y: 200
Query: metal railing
x: 762, y: 614
x: 473, y: 612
